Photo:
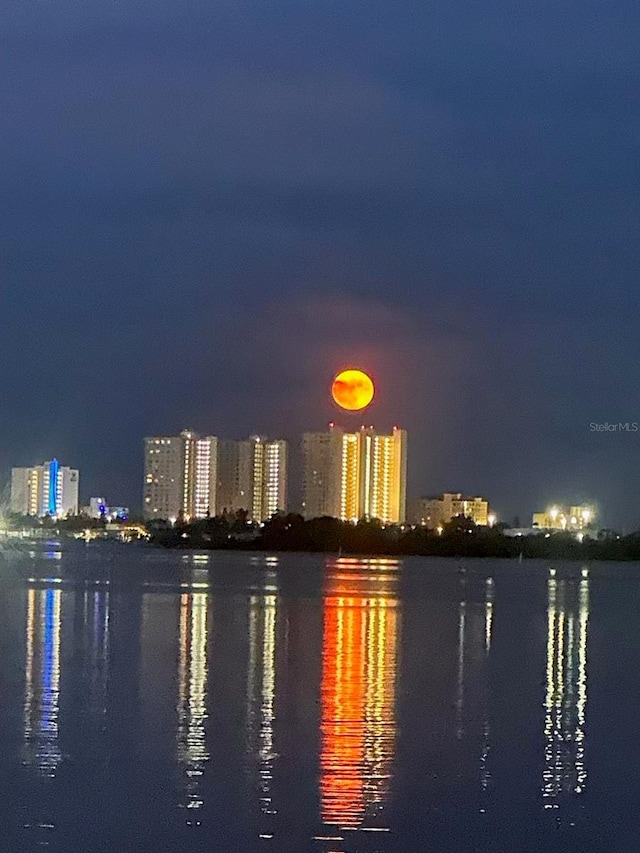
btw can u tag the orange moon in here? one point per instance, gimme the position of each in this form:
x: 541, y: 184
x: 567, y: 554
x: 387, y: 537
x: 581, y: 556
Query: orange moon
x: 352, y: 390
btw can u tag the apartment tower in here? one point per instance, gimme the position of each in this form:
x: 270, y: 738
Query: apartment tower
x: 321, y: 487
x: 235, y: 476
x: 269, y: 486
x: 355, y: 475
x: 252, y: 476
x: 47, y: 489
x: 180, y: 476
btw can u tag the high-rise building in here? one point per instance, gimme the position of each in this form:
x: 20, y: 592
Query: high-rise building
x: 204, y: 477
x: 374, y: 476
x: 180, y: 476
x: 356, y: 475
x: 351, y: 478
x: 252, y: 475
x: 269, y: 482
x: 235, y: 476
x: 322, y: 455
x: 47, y: 489
x: 435, y: 512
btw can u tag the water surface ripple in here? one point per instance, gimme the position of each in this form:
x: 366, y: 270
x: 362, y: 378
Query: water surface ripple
x: 173, y: 701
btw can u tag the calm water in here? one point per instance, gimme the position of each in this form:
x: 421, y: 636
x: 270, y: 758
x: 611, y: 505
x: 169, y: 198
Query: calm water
x: 162, y: 701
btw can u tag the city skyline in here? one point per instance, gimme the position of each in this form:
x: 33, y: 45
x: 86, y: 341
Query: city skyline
x: 348, y: 476
x: 444, y: 197
x: 319, y: 432
x: 563, y: 493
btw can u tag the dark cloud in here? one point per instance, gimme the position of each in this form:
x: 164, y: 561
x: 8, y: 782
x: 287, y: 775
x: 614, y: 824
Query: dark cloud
x: 208, y: 208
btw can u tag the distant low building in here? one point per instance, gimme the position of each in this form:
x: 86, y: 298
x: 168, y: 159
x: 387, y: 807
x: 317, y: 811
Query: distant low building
x: 47, y: 489
x: 433, y: 513
x: 99, y: 508
x: 118, y: 513
x: 572, y: 518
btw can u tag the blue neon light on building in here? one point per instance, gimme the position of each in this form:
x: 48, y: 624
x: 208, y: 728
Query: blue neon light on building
x: 54, y: 467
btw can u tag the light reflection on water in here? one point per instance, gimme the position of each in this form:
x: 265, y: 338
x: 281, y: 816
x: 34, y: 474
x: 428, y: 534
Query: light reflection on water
x: 225, y: 706
x: 42, y: 681
x: 95, y: 623
x: 193, y: 754
x: 565, y: 769
x: 485, y: 771
x: 261, y: 692
x: 359, y: 673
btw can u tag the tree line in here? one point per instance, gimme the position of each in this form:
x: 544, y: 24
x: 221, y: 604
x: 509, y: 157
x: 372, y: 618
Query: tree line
x: 460, y: 537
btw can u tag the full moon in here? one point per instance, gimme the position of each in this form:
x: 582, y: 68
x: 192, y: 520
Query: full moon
x: 352, y: 390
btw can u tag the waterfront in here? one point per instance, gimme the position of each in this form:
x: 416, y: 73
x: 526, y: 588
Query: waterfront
x: 162, y: 700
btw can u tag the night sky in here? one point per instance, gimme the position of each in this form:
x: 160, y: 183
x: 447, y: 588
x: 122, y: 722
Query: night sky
x: 210, y: 206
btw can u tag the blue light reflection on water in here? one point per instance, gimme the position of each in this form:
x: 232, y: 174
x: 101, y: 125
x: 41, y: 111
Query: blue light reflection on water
x: 42, y: 681
x: 49, y: 629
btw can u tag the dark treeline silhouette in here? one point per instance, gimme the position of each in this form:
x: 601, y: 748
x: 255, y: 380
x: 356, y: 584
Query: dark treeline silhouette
x: 459, y: 538
x: 71, y: 524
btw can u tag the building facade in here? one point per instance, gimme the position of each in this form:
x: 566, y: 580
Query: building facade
x: 270, y: 477
x: 180, y: 476
x: 189, y: 477
x: 356, y: 475
x: 572, y: 518
x: 434, y: 513
x: 47, y: 489
x: 235, y: 476
x: 385, y: 468
x: 322, y: 468
x: 100, y: 508
x: 253, y: 476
